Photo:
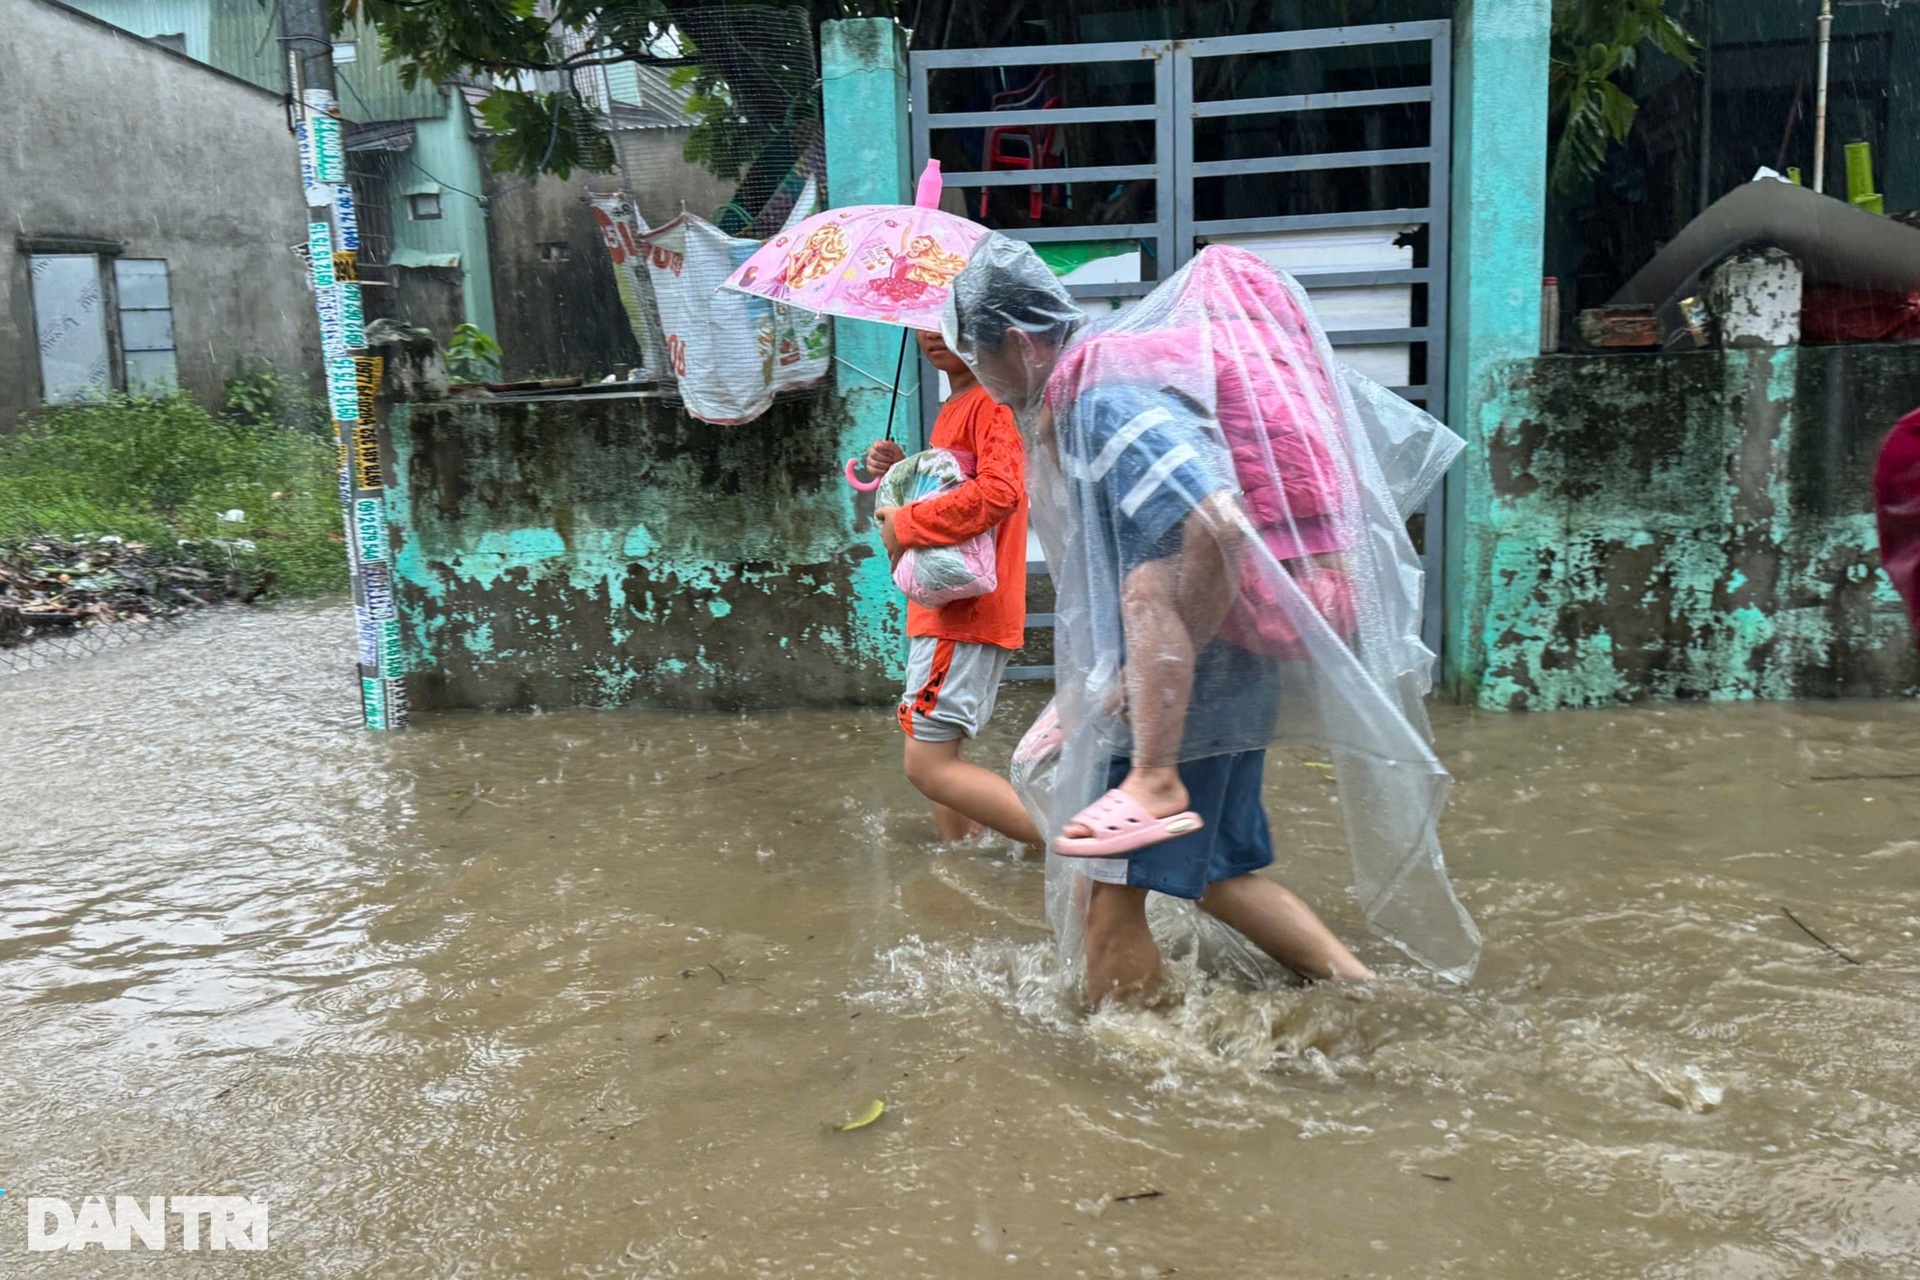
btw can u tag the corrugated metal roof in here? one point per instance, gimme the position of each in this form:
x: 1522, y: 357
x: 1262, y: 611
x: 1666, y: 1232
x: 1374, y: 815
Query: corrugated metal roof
x: 384, y: 135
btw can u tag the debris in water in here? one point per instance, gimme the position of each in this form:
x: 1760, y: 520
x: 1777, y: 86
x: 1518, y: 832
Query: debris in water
x: 50, y: 585
x: 1687, y: 1089
x: 1139, y: 1195
x: 874, y: 1111
x: 1817, y: 938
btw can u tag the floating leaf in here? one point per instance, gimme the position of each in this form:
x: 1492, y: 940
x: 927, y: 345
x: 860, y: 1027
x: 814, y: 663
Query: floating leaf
x: 873, y: 1111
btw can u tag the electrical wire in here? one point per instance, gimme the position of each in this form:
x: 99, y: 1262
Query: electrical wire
x: 368, y: 108
x: 553, y: 140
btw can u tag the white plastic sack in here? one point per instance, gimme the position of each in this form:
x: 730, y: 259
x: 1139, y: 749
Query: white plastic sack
x: 730, y: 352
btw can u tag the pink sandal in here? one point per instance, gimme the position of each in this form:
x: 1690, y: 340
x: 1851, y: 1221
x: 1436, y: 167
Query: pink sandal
x: 1120, y: 825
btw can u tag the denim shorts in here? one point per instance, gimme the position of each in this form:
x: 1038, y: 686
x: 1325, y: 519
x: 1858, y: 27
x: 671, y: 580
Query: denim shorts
x: 1225, y: 792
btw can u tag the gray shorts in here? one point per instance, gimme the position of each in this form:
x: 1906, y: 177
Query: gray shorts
x: 951, y: 688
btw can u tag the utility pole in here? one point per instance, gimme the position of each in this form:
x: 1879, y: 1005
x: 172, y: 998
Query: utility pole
x: 353, y: 375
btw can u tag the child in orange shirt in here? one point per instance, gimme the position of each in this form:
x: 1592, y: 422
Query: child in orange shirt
x: 958, y: 653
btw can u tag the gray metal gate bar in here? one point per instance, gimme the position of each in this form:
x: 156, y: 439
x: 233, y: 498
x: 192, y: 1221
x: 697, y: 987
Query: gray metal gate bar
x: 1321, y: 38
x: 1440, y: 262
x: 926, y: 123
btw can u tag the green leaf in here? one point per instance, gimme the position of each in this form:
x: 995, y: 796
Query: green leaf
x: 1594, y: 42
x: 1617, y: 110
x: 537, y: 133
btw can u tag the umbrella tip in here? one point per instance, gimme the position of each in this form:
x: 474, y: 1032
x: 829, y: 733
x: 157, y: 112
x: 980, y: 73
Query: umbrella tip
x: 928, y: 196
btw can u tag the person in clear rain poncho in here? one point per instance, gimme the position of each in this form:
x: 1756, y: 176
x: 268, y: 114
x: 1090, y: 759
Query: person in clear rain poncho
x: 1222, y: 507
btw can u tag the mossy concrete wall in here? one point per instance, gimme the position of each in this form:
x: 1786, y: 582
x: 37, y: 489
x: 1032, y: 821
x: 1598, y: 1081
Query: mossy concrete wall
x: 586, y: 551
x: 1687, y: 526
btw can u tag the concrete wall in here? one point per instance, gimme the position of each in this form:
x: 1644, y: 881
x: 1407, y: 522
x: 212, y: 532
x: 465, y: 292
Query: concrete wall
x: 654, y: 170
x: 109, y: 137
x: 592, y: 551
x: 557, y: 318
x: 1688, y: 526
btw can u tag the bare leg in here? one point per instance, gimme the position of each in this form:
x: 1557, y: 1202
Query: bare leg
x: 1171, y: 609
x: 954, y: 825
x: 1284, y: 927
x: 972, y: 793
x: 1122, y: 961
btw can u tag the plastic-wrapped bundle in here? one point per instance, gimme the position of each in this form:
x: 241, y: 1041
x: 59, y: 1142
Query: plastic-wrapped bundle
x: 1213, y: 412
x: 934, y: 576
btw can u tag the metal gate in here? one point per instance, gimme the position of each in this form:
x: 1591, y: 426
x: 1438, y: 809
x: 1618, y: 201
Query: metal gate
x: 1190, y: 93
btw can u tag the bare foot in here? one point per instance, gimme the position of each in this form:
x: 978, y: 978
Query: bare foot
x: 1159, y: 791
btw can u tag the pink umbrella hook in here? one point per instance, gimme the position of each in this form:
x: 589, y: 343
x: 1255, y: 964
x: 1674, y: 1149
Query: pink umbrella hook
x: 864, y: 486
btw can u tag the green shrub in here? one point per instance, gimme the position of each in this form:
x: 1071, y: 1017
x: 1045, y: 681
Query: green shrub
x: 157, y: 470
x: 260, y: 396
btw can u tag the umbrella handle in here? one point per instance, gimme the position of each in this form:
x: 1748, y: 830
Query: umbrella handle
x: 864, y: 486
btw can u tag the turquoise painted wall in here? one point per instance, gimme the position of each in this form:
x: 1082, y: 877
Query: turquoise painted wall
x: 863, y: 69
x: 1690, y: 526
x: 606, y: 551
x: 1498, y: 241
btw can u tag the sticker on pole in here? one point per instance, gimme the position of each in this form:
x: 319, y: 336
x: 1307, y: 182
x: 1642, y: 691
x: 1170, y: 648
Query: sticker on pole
x: 304, y: 136
x: 333, y: 334
x: 346, y: 220
x: 396, y: 704
x: 370, y: 530
x: 343, y: 392
x: 366, y: 454
x: 329, y: 151
x: 353, y: 316
x: 369, y: 369
x: 320, y: 250
x: 376, y: 589
x: 392, y: 663
x: 373, y: 702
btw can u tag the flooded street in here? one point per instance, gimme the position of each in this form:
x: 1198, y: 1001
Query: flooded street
x: 583, y: 994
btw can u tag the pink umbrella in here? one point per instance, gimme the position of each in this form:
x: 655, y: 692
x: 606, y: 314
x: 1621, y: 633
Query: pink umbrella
x: 890, y: 263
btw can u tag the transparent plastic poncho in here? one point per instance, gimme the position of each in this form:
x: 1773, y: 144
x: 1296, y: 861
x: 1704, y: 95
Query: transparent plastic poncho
x: 1202, y: 459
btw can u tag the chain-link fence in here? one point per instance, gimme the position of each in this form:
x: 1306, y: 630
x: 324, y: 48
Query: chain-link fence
x: 714, y: 113
x: 711, y: 122
x: 64, y: 599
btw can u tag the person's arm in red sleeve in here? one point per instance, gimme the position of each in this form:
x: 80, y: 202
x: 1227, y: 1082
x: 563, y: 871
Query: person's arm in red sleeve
x: 995, y: 492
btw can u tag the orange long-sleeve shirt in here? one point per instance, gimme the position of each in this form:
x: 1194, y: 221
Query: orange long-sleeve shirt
x: 996, y: 498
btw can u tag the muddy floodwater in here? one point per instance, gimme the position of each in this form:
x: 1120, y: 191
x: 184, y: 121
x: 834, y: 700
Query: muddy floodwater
x: 582, y: 995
